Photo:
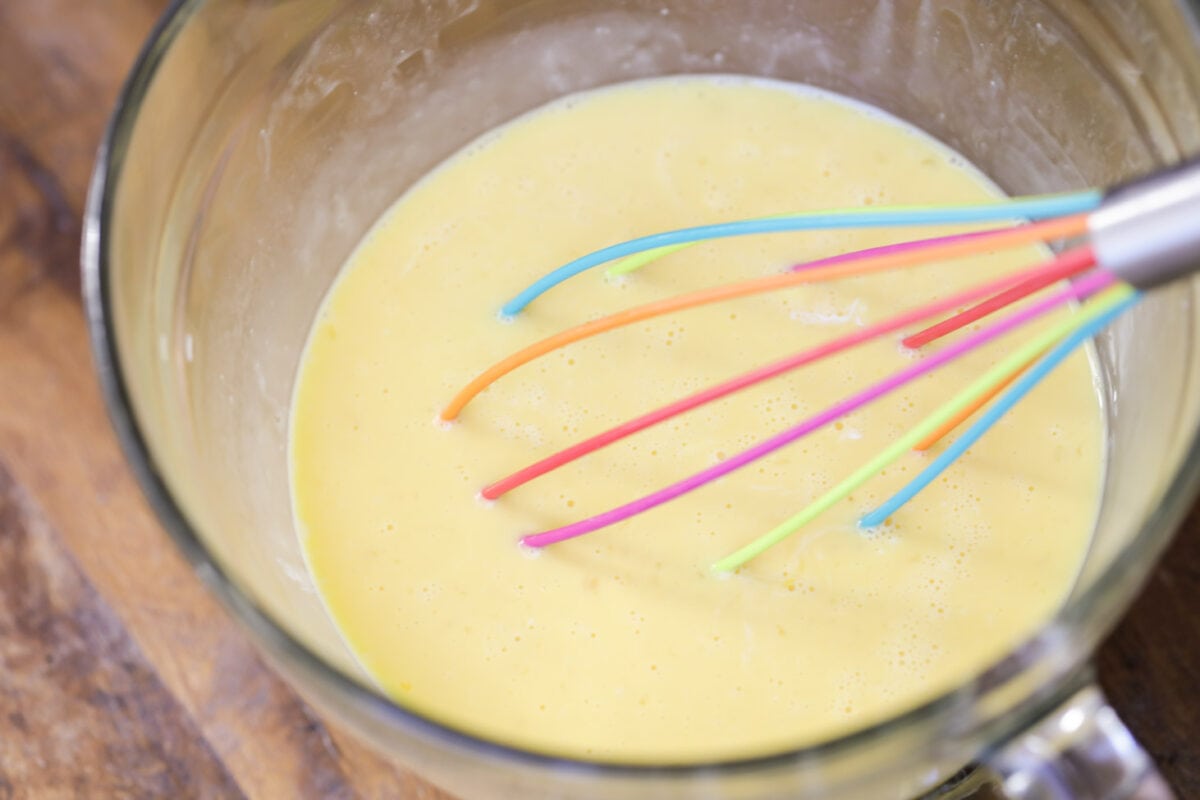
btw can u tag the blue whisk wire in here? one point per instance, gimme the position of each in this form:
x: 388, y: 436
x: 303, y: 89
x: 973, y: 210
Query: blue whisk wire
x: 1021, y: 208
x: 995, y: 412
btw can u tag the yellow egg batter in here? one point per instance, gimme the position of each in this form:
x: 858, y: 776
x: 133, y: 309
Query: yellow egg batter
x: 623, y: 645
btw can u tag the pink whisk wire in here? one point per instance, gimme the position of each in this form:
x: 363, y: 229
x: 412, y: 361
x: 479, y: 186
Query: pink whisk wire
x: 1049, y: 272
x: 1085, y: 287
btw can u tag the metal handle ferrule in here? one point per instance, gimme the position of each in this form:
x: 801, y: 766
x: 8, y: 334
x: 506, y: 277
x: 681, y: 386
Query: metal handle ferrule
x: 1148, y: 232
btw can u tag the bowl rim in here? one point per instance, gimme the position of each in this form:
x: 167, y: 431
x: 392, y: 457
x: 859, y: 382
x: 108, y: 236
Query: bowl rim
x: 1073, y: 631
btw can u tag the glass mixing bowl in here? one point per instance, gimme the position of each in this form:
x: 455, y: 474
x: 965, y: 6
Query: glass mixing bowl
x: 258, y: 140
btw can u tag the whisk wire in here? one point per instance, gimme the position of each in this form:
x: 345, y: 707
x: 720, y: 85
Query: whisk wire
x: 1032, y: 207
x: 962, y: 416
x: 1140, y: 234
x: 637, y: 261
x: 851, y: 264
x: 902, y: 445
x: 1063, y: 266
x: 1025, y: 384
x: 1085, y: 287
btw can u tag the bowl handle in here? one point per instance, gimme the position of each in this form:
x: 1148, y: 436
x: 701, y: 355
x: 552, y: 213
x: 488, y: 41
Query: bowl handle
x: 1079, y: 751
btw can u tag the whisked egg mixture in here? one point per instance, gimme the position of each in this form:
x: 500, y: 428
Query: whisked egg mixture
x: 623, y: 645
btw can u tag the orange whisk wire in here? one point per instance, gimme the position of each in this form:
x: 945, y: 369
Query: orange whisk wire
x: 976, y: 404
x: 1063, y: 266
x: 1062, y: 228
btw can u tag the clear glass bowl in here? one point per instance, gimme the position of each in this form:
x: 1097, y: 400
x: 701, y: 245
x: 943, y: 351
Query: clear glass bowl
x: 258, y: 140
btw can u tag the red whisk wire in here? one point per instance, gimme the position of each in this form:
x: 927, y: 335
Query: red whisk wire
x: 977, y: 312
x: 1070, y: 263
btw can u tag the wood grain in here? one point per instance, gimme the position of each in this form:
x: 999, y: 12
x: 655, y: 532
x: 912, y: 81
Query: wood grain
x: 61, y: 63
x: 77, y: 690
x: 1150, y: 666
x: 119, y: 675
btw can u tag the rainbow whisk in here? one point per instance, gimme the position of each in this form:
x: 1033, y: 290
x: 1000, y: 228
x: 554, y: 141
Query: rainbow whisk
x: 1121, y: 243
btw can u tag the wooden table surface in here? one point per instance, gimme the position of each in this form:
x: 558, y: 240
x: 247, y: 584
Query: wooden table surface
x: 119, y: 675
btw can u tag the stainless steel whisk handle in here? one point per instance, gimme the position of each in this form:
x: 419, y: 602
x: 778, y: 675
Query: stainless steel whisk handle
x: 1148, y: 232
